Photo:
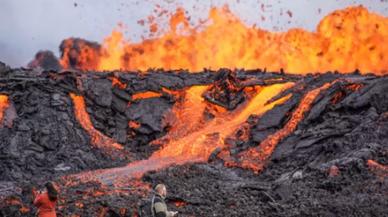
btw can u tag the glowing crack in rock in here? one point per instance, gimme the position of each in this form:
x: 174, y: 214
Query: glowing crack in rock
x: 145, y: 95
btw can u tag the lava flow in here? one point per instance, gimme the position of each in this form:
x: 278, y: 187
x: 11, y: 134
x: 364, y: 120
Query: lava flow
x: 255, y: 158
x: 235, y: 120
x: 4, y: 104
x: 97, y: 138
x: 196, y: 143
x: 344, y: 41
x: 201, y: 142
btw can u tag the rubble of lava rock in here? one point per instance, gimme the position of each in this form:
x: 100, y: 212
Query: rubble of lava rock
x: 54, y: 124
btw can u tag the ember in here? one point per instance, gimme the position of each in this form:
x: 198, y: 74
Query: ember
x: 180, y: 203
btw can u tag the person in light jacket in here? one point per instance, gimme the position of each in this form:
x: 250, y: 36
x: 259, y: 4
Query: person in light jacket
x: 159, y: 207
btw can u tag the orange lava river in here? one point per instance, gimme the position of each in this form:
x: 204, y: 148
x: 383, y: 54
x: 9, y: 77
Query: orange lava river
x: 196, y: 141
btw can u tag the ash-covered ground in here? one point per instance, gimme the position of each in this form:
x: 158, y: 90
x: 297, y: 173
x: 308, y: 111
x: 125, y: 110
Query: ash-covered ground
x: 332, y: 164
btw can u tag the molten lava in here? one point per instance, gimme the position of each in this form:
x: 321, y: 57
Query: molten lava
x: 97, y: 138
x: 255, y: 158
x: 186, y: 115
x: 180, y: 203
x: 134, y: 124
x: 379, y: 169
x: 146, y: 95
x: 201, y: 142
x: 340, y: 95
x: 117, y: 83
x: 4, y: 104
x: 345, y: 40
x: 199, y: 139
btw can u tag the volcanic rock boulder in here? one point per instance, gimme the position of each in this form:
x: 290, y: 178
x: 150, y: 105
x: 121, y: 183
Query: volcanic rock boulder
x: 226, y: 91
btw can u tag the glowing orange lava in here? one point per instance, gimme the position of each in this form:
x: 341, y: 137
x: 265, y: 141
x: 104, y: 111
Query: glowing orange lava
x: 134, y: 124
x: 4, y: 104
x: 186, y: 115
x: 97, y: 138
x: 199, y: 140
x: 145, y: 95
x: 180, y: 203
x: 117, y: 83
x: 378, y: 169
x: 255, y: 158
x: 354, y: 87
x: 345, y: 40
x: 338, y: 96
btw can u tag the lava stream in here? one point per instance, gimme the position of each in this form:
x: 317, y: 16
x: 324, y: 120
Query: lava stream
x: 197, y: 145
x: 255, y: 158
x: 97, y: 138
x: 4, y: 104
x: 202, y: 142
x: 186, y: 115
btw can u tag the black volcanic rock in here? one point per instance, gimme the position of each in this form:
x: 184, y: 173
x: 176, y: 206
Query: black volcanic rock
x: 226, y: 91
x: 343, y: 129
x: 149, y: 115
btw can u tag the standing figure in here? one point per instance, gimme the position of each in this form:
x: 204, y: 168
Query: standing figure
x: 45, y: 201
x: 159, y: 207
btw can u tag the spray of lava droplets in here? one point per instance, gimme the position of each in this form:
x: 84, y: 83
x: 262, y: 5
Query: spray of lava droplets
x: 345, y: 40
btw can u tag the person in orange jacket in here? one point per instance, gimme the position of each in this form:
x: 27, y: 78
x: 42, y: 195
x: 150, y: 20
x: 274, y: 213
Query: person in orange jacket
x: 45, y: 201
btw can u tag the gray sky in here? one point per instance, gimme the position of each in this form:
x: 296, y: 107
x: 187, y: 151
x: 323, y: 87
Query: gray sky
x: 27, y: 26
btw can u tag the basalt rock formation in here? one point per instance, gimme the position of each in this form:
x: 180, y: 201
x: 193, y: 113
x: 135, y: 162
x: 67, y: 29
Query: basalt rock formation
x: 276, y: 144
